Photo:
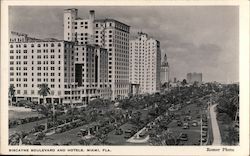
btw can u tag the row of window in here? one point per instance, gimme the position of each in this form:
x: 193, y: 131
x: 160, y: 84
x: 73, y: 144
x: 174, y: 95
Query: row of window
x: 37, y: 45
x: 32, y: 92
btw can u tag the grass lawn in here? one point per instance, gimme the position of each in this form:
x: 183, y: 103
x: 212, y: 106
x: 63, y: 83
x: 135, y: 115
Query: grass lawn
x: 21, y: 115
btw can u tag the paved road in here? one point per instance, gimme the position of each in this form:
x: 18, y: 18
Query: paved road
x: 215, y: 127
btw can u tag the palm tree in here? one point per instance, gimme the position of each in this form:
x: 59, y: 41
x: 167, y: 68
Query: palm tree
x: 11, y: 92
x: 44, y: 91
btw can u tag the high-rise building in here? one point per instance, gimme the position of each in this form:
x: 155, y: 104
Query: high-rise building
x: 194, y: 77
x: 106, y: 33
x: 36, y: 61
x: 165, y: 70
x: 91, y: 68
x: 74, y: 73
x: 145, y: 63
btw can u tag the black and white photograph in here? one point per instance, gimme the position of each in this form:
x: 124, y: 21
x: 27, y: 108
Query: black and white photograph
x: 123, y: 76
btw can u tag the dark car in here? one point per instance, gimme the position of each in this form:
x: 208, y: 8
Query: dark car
x: 118, y: 132
x: 184, y: 137
x: 179, y: 123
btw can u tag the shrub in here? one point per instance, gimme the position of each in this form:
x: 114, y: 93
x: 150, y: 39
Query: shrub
x: 224, y: 118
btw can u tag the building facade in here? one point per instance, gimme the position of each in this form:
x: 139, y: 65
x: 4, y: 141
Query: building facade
x: 106, y: 33
x: 35, y: 61
x: 165, y: 72
x: 74, y: 73
x: 194, y: 77
x: 145, y: 63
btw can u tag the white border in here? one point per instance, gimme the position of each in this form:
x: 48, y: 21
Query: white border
x: 134, y: 150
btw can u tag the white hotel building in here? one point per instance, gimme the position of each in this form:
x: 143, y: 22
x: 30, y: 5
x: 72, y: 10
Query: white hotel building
x: 74, y: 73
x: 145, y: 63
x: 106, y: 33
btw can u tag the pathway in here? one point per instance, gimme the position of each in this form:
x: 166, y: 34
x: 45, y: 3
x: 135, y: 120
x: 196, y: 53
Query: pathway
x: 215, y: 127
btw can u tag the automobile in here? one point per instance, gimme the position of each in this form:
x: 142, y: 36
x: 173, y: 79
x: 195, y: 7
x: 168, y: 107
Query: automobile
x: 118, y: 132
x: 204, y: 123
x: 204, y: 134
x: 79, y: 134
x: 179, y: 123
x: 204, y: 128
x: 183, y: 137
x: 194, y: 124
x: 185, y: 125
x: 203, y: 140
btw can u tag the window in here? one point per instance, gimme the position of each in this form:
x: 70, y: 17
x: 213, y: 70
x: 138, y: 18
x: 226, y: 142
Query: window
x: 25, y: 46
x: 11, y: 46
x: 38, y: 45
x: 32, y: 45
x: 59, y: 45
x: 52, y: 45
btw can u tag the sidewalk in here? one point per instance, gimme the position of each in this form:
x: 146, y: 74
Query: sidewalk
x: 215, y: 127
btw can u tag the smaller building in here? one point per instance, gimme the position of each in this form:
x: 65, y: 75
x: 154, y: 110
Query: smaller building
x: 194, y: 77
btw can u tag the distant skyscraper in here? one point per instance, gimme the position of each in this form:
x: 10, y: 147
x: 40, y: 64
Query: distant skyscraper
x: 106, y: 33
x: 165, y: 70
x: 192, y: 77
x: 145, y: 63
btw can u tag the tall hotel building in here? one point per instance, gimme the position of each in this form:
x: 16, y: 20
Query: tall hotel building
x: 145, y: 63
x: 35, y: 61
x: 105, y: 33
x: 74, y: 73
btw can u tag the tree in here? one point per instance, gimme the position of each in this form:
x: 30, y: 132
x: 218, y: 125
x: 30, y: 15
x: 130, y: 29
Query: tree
x: 232, y: 137
x: 44, y: 91
x: 184, y: 82
x: 196, y: 84
x: 11, y: 92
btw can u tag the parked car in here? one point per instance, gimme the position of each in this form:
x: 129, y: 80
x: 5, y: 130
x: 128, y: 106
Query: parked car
x: 118, y: 132
x: 194, y: 124
x: 185, y: 125
x: 184, y: 137
x: 179, y: 123
x: 204, y: 134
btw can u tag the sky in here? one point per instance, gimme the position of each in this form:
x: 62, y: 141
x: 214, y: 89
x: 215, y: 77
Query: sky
x: 195, y: 38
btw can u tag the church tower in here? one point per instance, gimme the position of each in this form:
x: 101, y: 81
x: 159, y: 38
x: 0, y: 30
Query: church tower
x: 164, y: 70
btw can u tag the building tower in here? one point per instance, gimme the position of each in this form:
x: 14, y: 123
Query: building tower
x: 145, y: 63
x: 165, y: 70
x: 106, y: 33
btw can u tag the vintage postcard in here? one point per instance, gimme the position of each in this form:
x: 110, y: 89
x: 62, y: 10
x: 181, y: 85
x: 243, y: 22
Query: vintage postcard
x: 125, y: 77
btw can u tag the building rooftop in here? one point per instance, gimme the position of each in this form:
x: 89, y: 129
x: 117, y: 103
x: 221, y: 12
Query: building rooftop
x: 111, y: 20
